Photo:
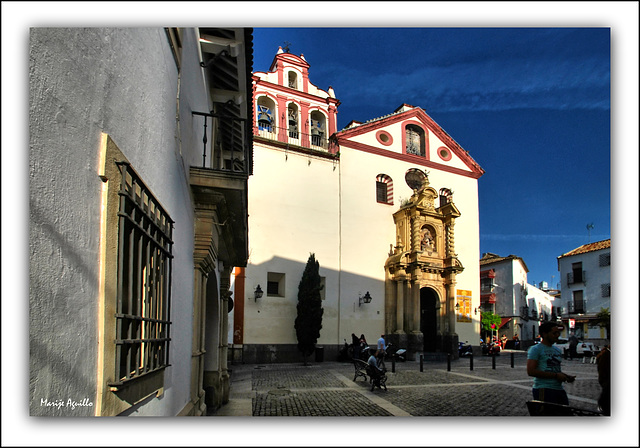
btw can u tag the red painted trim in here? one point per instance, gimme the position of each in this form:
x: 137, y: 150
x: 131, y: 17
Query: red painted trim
x: 292, y: 92
x: 449, y: 154
x: 488, y: 298
x: 282, y: 121
x: 270, y: 95
x: 490, y: 273
x: 387, y: 180
x: 389, y: 141
x: 278, y: 146
x: 290, y: 58
x: 303, y: 125
x: 427, y: 121
x: 416, y: 160
x: 238, y: 306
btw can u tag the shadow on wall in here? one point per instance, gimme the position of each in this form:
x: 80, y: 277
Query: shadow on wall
x: 62, y: 333
x: 268, y: 323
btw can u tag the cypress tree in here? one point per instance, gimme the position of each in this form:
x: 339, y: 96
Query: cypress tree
x: 309, y: 319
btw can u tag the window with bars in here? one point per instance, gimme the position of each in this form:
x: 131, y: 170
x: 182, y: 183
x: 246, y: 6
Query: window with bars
x: 144, y: 280
x: 384, y: 189
x: 414, y: 140
x: 606, y: 289
x: 605, y: 259
x: 275, y: 284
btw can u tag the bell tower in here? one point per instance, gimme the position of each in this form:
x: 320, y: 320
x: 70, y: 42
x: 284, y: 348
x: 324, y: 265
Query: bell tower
x: 421, y: 271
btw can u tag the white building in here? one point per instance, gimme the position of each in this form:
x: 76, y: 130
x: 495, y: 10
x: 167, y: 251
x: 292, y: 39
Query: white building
x: 136, y: 219
x: 585, y: 274
x: 361, y: 200
x: 507, y: 293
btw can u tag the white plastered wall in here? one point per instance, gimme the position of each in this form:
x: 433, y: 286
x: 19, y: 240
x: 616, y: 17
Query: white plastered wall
x: 293, y: 212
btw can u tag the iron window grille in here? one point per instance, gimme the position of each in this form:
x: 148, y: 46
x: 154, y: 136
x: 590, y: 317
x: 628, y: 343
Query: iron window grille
x: 144, y: 281
x: 381, y: 191
x: 606, y: 289
x: 415, y: 141
x: 605, y: 259
x: 578, y: 306
x: 577, y: 276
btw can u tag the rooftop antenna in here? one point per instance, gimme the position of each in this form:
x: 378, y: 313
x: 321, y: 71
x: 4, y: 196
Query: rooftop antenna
x: 589, y: 227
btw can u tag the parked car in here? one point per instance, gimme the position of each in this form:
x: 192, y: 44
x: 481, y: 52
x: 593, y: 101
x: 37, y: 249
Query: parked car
x: 582, y: 349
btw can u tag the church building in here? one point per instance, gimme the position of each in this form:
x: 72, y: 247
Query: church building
x: 389, y: 207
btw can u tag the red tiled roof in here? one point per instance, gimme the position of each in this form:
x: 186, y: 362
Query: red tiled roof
x: 591, y: 247
x: 490, y: 258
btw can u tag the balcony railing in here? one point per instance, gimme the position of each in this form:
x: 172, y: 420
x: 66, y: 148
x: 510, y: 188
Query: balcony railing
x: 576, y: 277
x: 318, y: 142
x: 577, y: 307
x: 231, y: 149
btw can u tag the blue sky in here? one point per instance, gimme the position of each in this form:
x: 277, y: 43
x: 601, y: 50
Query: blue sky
x: 531, y: 105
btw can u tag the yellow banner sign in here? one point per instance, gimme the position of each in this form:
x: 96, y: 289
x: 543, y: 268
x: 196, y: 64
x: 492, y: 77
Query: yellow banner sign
x: 463, y: 305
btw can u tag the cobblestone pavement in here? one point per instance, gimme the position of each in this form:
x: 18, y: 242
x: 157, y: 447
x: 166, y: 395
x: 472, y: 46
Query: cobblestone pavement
x: 328, y: 389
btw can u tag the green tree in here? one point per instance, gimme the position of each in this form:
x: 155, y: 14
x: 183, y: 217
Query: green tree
x: 604, y: 320
x: 309, y: 319
x: 489, y: 322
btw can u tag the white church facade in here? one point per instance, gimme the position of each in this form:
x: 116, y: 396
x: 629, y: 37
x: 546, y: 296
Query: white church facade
x: 389, y: 208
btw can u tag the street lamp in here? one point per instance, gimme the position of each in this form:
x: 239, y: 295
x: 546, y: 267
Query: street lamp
x: 365, y: 299
x: 257, y: 293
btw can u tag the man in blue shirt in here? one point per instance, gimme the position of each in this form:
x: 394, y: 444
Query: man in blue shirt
x: 543, y: 364
x: 382, y: 351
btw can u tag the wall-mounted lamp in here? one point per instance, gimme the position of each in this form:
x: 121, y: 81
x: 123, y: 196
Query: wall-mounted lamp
x: 257, y: 293
x: 457, y: 306
x: 365, y: 299
x: 475, y: 311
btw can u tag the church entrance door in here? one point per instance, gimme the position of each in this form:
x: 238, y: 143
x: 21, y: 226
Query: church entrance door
x: 429, y: 318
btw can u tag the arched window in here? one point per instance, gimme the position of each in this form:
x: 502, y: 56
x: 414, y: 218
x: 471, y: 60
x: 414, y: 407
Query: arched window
x: 318, y: 129
x: 446, y: 196
x: 292, y: 79
x: 266, y: 109
x: 292, y: 114
x: 384, y: 189
x: 414, y: 140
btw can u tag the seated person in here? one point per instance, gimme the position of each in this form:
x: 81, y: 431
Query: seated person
x: 378, y: 377
x: 373, y: 363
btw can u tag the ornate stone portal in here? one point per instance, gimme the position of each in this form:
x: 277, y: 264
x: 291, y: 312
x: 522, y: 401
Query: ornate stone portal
x: 421, y: 272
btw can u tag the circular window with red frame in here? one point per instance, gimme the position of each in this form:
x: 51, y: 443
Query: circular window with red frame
x: 384, y: 138
x: 444, y: 153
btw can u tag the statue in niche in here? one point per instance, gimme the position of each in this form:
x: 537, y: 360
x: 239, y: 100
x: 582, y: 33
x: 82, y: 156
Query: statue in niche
x: 427, y: 243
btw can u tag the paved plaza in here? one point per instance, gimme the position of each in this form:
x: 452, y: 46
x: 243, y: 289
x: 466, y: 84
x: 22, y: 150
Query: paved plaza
x: 328, y: 389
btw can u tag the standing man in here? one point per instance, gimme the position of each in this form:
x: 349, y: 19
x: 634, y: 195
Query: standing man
x: 604, y: 378
x: 382, y: 350
x: 543, y: 364
x: 573, y: 345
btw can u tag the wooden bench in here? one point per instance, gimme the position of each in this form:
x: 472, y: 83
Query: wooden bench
x: 360, y: 369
